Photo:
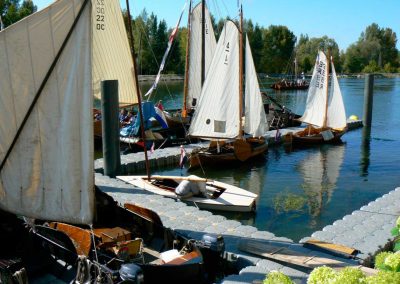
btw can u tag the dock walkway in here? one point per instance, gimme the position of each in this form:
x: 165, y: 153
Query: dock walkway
x: 366, y: 229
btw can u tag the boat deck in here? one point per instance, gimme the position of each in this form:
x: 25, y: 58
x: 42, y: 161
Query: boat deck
x: 367, y: 230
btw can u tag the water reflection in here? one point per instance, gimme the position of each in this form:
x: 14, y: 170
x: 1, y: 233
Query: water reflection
x: 320, y: 171
x: 365, y: 151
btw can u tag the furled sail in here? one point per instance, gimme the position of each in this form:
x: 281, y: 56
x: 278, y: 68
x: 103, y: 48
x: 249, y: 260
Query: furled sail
x: 194, y: 80
x: 217, y: 114
x: 316, y: 99
x: 336, y: 117
x: 255, y: 118
x: 49, y: 172
x: 112, y: 58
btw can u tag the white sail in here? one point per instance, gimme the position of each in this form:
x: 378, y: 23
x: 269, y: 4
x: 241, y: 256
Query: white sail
x: 49, y: 173
x: 336, y: 112
x: 112, y: 58
x: 194, y: 80
x: 255, y: 118
x: 217, y: 114
x: 316, y: 99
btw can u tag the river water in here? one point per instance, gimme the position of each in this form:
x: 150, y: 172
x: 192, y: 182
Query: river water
x: 304, y: 190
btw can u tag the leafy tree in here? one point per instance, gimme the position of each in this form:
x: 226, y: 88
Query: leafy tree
x: 12, y: 11
x: 277, y: 49
x: 307, y: 50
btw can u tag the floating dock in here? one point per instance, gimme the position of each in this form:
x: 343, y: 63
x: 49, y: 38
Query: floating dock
x: 135, y: 162
x: 367, y: 230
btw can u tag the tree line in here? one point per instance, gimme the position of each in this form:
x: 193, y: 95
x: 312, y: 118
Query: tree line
x: 274, y: 48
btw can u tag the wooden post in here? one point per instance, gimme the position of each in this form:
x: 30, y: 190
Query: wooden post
x: 368, y: 99
x: 110, y: 127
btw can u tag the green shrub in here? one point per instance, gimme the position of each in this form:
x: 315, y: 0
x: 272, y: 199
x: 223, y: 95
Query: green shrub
x: 322, y: 275
x: 276, y: 277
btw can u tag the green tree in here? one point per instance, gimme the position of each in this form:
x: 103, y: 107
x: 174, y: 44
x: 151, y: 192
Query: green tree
x: 307, y: 50
x: 375, y: 44
x: 278, y: 47
x: 12, y: 11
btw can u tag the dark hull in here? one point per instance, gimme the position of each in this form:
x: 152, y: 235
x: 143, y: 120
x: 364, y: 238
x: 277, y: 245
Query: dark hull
x: 38, y: 250
x: 282, y: 87
x: 229, y: 154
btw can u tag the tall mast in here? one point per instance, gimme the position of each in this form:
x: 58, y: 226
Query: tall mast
x: 203, y: 41
x: 185, y: 88
x: 138, y: 90
x: 240, y: 72
x: 327, y: 89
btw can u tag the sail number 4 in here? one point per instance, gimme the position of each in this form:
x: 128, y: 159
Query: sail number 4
x: 100, y: 13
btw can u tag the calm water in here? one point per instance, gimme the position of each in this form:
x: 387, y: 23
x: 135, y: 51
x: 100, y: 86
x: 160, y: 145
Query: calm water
x: 304, y: 190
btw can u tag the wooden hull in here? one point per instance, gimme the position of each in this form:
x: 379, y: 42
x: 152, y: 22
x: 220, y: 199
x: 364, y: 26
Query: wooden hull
x: 175, y: 119
x: 302, y: 138
x: 278, y: 86
x: 114, y: 226
x: 232, y: 198
x: 231, y: 153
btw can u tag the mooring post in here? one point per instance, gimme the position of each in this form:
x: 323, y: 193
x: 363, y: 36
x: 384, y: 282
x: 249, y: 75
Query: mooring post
x: 368, y: 99
x: 110, y: 127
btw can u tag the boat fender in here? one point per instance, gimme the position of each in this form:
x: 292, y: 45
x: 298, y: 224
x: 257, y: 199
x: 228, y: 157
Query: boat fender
x: 353, y: 117
x: 132, y: 273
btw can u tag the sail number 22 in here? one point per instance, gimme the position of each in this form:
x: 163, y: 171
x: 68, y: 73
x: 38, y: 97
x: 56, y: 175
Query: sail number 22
x: 100, y: 13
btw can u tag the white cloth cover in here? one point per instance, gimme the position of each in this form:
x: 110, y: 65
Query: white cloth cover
x: 49, y: 173
x: 217, y: 114
x: 255, y: 118
x: 316, y: 99
x: 194, y: 72
x: 336, y: 112
x: 112, y: 59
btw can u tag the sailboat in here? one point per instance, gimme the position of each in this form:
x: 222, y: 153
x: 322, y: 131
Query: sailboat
x: 324, y: 108
x: 200, y: 48
x: 219, y: 113
x: 204, y: 193
x: 290, y: 81
x: 47, y: 96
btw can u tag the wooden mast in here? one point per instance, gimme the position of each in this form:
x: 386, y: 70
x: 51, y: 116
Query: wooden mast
x: 240, y: 72
x: 203, y: 41
x: 327, y: 89
x: 137, y: 90
x: 185, y: 88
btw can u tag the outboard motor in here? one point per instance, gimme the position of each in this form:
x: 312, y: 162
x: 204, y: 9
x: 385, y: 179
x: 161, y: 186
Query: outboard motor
x: 131, y: 273
x: 212, y: 248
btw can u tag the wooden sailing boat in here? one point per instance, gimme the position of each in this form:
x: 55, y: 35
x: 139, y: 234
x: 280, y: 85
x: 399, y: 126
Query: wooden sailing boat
x: 290, y: 82
x: 206, y: 194
x: 47, y: 97
x: 200, y: 48
x: 324, y: 107
x: 219, y: 113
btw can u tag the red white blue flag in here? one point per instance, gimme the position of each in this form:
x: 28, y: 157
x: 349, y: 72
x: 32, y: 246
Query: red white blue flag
x: 170, y: 41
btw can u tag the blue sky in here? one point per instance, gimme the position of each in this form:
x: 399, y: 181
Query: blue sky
x: 343, y: 20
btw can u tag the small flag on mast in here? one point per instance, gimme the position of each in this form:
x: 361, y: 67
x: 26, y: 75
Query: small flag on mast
x: 183, y: 158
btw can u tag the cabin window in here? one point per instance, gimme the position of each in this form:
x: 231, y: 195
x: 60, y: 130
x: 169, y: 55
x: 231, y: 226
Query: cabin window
x: 219, y: 126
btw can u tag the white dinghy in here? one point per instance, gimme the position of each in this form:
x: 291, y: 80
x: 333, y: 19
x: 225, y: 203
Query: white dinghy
x: 206, y: 194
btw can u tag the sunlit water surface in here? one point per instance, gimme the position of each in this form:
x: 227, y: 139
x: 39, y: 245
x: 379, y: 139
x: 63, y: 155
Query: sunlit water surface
x: 302, y: 191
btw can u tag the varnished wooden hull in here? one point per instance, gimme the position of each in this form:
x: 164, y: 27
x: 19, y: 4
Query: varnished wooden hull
x: 302, y: 139
x: 210, y: 157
